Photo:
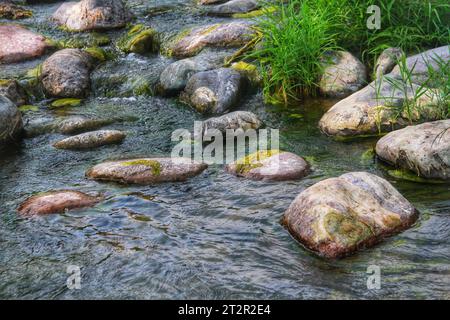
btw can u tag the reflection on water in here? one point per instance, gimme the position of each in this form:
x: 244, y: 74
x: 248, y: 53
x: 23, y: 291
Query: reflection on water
x: 216, y: 236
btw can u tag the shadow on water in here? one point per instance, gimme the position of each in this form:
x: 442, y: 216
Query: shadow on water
x: 216, y: 236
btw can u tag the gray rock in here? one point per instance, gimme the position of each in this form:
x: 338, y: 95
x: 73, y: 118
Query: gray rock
x: 174, y: 78
x: 77, y: 124
x: 92, y: 15
x: 343, y: 75
x: 11, y: 125
x: 214, y: 91
x: 227, y: 35
x: 233, y: 6
x: 423, y: 149
x: 270, y: 165
x: 66, y: 74
x: 338, y: 216
x: 13, y: 91
x: 147, y: 170
x: 387, y: 61
x: 234, y: 120
x: 91, y: 139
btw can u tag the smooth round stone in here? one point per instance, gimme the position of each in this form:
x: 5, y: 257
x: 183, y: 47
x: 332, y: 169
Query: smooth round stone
x: 56, y: 202
x: 272, y: 165
x: 338, y: 216
x: 146, y: 170
x: 91, y: 139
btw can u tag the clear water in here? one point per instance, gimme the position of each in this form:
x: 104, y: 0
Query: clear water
x: 216, y: 236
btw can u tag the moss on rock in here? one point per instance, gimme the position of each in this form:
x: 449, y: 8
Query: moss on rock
x: 139, y: 39
x: 66, y: 102
x: 410, y: 176
x: 253, y: 160
x: 153, y: 164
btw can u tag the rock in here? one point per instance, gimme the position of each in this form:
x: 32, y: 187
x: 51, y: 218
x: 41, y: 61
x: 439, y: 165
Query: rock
x: 77, y: 124
x: 174, y: 78
x: 66, y: 73
x: 139, y: 39
x: 249, y: 71
x: 147, y: 170
x: 214, y: 91
x: 233, y: 6
x: 270, y: 165
x: 13, y: 91
x: 373, y: 110
x: 339, y: 216
x: 13, y: 11
x: 244, y: 120
x: 91, y: 140
x: 421, y: 64
x: 343, y: 75
x: 92, y: 15
x: 56, y: 202
x: 19, y: 44
x: 228, y: 35
x: 423, y: 149
x: 387, y: 61
x: 11, y: 125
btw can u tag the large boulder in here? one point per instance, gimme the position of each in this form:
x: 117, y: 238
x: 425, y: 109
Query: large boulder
x: 244, y: 120
x: 420, y: 65
x: 147, y: 170
x: 270, y: 165
x: 13, y: 91
x: 227, y: 35
x: 343, y: 75
x: 338, y: 216
x: 19, y: 44
x: 66, y: 73
x: 56, y: 202
x: 374, y: 109
x: 92, y: 15
x: 215, y: 91
x: 91, y: 139
x: 233, y: 6
x: 174, y: 78
x: 11, y: 124
x: 423, y: 149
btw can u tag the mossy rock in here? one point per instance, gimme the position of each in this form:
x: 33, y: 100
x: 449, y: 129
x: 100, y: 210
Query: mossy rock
x: 248, y: 70
x: 410, y: 176
x: 139, y: 39
x: 97, y: 53
x: 84, y: 40
x: 66, y: 102
x: 253, y: 160
x: 155, y: 165
x: 15, y: 12
x: 28, y: 107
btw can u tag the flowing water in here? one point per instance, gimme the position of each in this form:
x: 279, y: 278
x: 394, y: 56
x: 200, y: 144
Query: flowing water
x: 215, y: 236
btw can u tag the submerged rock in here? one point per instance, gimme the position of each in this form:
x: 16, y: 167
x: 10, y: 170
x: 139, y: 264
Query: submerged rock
x: 91, y: 140
x: 343, y: 75
x: 66, y: 73
x: 11, y: 125
x: 13, y: 11
x: 233, y: 34
x: 174, y: 78
x: 374, y: 109
x: 387, y: 61
x: 208, y: 2
x: 56, y: 202
x: 233, y: 6
x: 19, y: 44
x: 92, y: 15
x: 77, y: 124
x: 423, y: 149
x: 214, y: 91
x: 234, y: 120
x: 146, y: 170
x: 270, y: 165
x: 338, y: 216
x: 13, y: 91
